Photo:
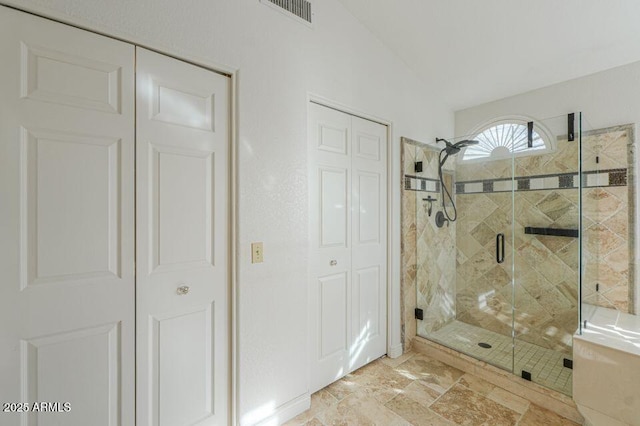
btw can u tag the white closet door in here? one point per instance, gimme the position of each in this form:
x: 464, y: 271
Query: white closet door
x: 330, y: 228
x: 347, y: 299
x: 66, y: 223
x: 369, y: 247
x: 183, y: 365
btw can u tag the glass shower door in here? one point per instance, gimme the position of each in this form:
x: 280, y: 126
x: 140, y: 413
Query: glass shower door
x: 464, y: 264
x: 499, y: 280
x: 484, y: 232
x: 546, y: 251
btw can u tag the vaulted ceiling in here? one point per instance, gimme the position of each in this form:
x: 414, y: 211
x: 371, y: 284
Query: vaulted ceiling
x: 475, y: 51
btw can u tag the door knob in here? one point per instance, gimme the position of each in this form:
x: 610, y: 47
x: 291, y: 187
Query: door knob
x: 182, y: 290
x: 333, y: 263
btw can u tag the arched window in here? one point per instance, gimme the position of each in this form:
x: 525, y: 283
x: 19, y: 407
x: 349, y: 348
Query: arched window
x: 501, y: 139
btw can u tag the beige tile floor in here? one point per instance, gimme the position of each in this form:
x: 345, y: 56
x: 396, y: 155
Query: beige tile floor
x: 417, y: 390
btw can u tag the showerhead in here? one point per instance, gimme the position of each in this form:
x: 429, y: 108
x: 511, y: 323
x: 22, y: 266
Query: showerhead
x: 449, y: 149
x: 465, y: 143
x: 454, y: 148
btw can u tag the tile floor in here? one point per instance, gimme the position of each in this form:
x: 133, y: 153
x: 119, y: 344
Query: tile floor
x: 545, y: 365
x: 417, y: 390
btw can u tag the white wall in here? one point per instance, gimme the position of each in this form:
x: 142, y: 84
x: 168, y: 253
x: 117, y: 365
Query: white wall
x: 606, y: 99
x: 279, y: 62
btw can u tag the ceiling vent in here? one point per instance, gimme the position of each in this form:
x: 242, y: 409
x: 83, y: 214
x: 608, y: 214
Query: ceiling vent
x: 299, y: 9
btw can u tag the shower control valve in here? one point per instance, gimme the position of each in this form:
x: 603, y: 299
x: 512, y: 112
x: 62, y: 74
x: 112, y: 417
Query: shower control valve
x: 441, y: 220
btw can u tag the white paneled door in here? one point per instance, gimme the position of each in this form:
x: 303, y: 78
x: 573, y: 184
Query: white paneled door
x: 67, y: 317
x: 348, y: 233
x: 182, y: 263
x: 114, y: 236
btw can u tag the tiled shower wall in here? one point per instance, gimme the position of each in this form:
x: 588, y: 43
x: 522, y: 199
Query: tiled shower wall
x: 608, y: 218
x: 475, y: 289
x: 428, y: 252
x: 408, y: 249
x: 546, y: 267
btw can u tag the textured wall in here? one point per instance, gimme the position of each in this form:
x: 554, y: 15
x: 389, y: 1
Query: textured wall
x: 279, y: 63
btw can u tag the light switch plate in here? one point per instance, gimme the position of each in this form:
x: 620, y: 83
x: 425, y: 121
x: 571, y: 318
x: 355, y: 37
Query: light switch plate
x: 256, y: 253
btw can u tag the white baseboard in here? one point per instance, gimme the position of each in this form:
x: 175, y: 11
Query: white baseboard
x: 287, y: 411
x: 395, y: 351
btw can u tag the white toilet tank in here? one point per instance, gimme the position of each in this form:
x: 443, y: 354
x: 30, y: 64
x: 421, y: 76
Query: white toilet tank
x: 606, y: 368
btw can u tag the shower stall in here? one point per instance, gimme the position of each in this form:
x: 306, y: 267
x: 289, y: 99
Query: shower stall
x: 499, y: 281
x: 537, y: 223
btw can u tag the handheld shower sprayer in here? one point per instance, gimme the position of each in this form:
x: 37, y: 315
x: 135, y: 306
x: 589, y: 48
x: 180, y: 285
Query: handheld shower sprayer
x: 448, y: 150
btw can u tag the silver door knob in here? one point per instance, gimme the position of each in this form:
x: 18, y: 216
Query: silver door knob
x: 333, y: 263
x: 182, y: 290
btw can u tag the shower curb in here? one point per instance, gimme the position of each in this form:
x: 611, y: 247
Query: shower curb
x: 554, y: 401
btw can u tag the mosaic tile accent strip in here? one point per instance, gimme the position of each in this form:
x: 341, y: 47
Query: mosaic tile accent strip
x: 618, y: 178
x: 416, y: 183
x: 523, y: 184
x: 590, y: 179
x: 565, y: 181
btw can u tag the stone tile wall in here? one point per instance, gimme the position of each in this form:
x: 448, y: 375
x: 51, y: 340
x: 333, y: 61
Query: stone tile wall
x: 608, y: 220
x: 408, y: 247
x: 545, y: 267
x: 428, y: 252
x: 451, y: 272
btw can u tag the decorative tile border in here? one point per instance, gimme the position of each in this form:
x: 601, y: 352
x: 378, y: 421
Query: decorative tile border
x: 417, y: 183
x: 590, y: 179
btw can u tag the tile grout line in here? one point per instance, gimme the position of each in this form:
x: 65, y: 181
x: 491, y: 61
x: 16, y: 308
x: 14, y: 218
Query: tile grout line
x: 432, y: 402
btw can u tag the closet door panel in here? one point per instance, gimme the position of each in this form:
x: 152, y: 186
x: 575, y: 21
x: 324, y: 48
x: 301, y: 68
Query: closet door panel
x: 66, y: 223
x: 183, y: 242
x: 330, y: 233
x: 369, y: 252
x: 348, y: 257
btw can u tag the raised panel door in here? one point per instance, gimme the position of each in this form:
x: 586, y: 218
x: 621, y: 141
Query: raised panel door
x: 183, y: 322
x: 348, y: 225
x: 369, y: 248
x: 330, y: 234
x: 66, y: 223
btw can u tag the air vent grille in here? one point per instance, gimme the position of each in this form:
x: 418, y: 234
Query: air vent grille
x: 300, y: 8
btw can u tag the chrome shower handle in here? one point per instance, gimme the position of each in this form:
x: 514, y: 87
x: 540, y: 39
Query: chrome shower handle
x: 500, y: 248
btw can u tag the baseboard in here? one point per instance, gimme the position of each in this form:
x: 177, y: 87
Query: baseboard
x: 287, y: 411
x: 395, y: 351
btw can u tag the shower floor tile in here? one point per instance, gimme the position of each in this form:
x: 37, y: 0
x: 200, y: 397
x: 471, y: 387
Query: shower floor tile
x: 545, y: 365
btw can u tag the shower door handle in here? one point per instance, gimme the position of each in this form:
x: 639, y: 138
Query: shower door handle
x: 500, y: 248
